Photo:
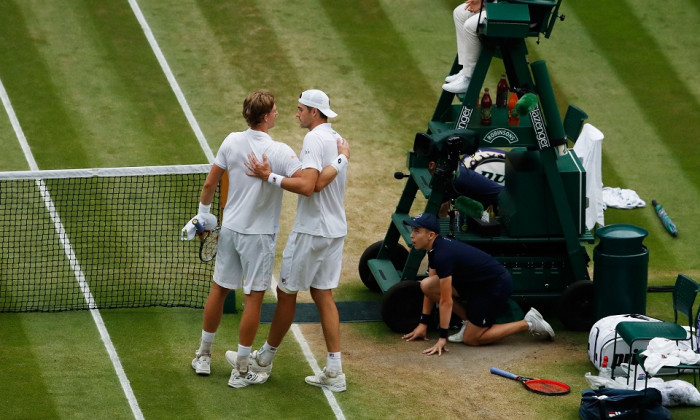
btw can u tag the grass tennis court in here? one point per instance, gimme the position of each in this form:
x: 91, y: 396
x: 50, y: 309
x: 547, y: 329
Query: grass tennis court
x: 88, y: 91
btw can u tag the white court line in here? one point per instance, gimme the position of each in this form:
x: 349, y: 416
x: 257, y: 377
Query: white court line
x: 75, y: 265
x: 207, y: 150
x: 311, y: 360
x: 171, y: 79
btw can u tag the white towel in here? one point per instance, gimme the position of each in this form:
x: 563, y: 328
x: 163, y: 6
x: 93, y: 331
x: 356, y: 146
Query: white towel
x: 664, y: 352
x: 207, y: 220
x: 621, y: 198
x: 188, y: 232
x: 588, y: 148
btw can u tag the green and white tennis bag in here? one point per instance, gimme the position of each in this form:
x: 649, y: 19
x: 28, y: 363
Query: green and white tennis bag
x: 601, y: 340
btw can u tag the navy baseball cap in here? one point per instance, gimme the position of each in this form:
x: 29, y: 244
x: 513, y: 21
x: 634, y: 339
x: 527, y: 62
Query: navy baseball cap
x: 425, y: 220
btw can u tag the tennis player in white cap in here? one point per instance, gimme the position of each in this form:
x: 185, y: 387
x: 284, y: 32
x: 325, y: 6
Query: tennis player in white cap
x: 246, y: 247
x: 313, y: 255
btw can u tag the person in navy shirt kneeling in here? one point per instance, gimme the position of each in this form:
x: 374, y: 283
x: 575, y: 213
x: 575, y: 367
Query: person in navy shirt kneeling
x: 469, y: 283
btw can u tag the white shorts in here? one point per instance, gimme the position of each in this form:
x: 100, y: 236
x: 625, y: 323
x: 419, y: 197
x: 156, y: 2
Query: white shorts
x: 310, y: 261
x: 244, y: 261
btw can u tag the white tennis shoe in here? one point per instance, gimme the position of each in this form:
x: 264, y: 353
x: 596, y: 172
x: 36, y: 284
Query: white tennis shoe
x: 451, y: 78
x: 458, y: 337
x: 202, y: 364
x: 256, y: 366
x: 459, y: 85
x: 538, y: 326
x: 243, y: 379
x: 253, y: 364
x: 328, y: 379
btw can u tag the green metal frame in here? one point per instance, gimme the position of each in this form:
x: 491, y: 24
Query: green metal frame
x: 503, y: 36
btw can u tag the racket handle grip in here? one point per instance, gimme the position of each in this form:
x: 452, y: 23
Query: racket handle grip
x: 198, y: 226
x: 497, y: 371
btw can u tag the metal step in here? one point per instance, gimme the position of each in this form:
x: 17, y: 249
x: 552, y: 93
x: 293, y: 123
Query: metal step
x: 384, y: 272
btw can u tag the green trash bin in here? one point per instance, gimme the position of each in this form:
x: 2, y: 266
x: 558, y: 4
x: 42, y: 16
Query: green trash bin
x: 620, y: 272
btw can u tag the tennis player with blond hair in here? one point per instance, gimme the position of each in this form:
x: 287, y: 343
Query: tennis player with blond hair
x: 250, y: 224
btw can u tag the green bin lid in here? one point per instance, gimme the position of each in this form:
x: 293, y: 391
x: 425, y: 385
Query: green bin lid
x: 621, y: 239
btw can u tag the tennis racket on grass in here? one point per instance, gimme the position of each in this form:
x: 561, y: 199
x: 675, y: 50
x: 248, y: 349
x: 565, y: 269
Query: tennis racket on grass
x: 538, y: 386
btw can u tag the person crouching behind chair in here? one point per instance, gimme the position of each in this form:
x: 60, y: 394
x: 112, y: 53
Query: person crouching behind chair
x: 469, y: 282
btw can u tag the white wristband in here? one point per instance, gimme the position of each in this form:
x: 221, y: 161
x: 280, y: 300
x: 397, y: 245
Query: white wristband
x: 275, y: 179
x: 340, y: 162
x: 204, y: 208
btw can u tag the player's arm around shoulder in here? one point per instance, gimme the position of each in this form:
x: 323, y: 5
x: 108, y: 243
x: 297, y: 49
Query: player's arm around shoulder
x: 330, y: 172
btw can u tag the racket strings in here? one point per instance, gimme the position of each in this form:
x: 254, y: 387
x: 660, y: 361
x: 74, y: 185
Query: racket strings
x: 547, y: 387
x: 209, y: 246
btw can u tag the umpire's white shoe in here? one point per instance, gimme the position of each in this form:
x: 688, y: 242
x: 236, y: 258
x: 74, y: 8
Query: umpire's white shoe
x: 328, y: 379
x: 459, y: 85
x: 202, y: 364
x: 538, y: 326
x: 253, y: 365
x: 451, y: 78
x: 243, y: 379
x: 458, y: 337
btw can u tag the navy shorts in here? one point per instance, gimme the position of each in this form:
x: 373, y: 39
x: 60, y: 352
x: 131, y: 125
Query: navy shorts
x: 485, y: 301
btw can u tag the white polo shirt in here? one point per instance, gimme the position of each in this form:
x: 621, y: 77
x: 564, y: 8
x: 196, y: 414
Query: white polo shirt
x: 323, y: 213
x: 253, y: 206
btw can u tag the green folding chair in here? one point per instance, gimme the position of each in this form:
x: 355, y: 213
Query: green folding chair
x: 684, y: 293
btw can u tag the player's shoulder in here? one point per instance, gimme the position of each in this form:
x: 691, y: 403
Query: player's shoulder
x: 280, y: 145
x: 327, y: 131
x: 282, y: 151
x: 234, y: 136
x: 229, y: 142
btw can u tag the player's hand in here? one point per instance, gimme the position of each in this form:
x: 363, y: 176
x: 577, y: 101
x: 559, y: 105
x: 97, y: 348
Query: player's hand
x: 419, y: 332
x: 256, y: 168
x: 438, y: 348
x: 344, y: 148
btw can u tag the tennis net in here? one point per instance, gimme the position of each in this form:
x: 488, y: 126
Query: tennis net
x: 100, y: 238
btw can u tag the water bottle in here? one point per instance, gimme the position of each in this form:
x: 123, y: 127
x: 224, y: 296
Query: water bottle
x: 513, y: 117
x: 486, y: 104
x: 502, y: 92
x: 605, y: 371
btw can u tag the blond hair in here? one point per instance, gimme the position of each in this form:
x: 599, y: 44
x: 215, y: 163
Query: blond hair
x: 256, y: 105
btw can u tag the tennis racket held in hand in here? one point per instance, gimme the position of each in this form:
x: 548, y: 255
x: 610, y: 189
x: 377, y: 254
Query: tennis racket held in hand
x: 209, y: 241
x: 538, y: 386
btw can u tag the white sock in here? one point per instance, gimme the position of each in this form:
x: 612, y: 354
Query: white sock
x: 206, y: 342
x: 242, y: 361
x: 333, y: 362
x: 244, y: 351
x: 266, y: 354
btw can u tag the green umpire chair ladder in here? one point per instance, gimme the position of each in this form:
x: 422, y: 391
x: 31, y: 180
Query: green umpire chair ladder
x: 545, y: 253
x: 684, y: 293
x: 503, y: 36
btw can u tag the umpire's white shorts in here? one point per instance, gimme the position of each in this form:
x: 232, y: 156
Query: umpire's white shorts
x: 310, y: 261
x: 244, y: 261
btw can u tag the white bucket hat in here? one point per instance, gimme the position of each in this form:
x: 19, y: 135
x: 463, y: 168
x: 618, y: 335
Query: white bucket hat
x: 315, y: 98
